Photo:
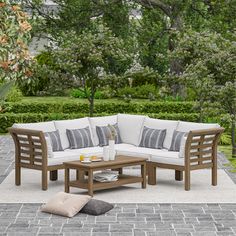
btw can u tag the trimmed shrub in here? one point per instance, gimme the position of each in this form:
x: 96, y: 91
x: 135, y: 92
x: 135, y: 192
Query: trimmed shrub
x: 107, y: 107
x: 14, y: 95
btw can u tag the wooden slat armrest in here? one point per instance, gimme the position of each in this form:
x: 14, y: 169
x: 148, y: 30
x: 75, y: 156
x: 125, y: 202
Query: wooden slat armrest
x: 201, y: 144
x: 32, y: 143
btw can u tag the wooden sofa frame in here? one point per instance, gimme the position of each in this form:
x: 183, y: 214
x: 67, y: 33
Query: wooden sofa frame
x: 200, y: 153
x: 31, y: 153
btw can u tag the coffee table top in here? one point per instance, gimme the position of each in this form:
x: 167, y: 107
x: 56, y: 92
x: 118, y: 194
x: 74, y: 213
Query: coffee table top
x: 120, y: 160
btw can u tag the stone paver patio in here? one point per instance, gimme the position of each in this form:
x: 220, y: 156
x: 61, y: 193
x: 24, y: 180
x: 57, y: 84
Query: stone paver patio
x: 123, y: 220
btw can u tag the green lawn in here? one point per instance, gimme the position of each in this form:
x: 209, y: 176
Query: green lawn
x: 227, y: 150
x: 68, y: 99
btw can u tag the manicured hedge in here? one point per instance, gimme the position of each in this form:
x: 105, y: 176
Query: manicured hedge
x: 8, y: 119
x: 107, y: 107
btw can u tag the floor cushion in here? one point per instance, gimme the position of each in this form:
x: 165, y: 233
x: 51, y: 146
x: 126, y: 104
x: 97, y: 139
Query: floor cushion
x: 169, y: 125
x: 96, y: 207
x: 100, y: 121
x: 130, y: 127
x: 65, y: 204
x: 63, y: 125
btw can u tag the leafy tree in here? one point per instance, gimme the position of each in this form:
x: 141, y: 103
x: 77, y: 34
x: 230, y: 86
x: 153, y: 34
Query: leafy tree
x: 227, y: 100
x: 116, y: 17
x: 208, y: 60
x: 153, y: 40
x: 14, y: 37
x: 214, y: 51
x: 86, y: 58
x: 201, y: 81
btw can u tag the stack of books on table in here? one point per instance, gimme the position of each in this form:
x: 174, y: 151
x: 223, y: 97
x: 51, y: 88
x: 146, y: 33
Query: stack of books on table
x: 106, y: 176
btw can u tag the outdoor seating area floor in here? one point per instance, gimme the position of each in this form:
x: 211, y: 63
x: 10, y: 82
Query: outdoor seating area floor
x: 167, y: 190
x: 126, y: 219
x: 123, y: 220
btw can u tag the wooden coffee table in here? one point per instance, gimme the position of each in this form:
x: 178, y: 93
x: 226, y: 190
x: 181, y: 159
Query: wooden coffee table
x: 88, y: 182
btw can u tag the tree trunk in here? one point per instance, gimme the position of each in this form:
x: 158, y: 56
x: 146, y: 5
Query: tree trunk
x: 233, y: 140
x: 91, y: 101
x: 175, y: 65
x: 91, y: 106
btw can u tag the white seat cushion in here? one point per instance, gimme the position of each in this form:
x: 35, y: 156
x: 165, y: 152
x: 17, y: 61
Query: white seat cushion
x: 168, y: 157
x: 169, y: 125
x: 87, y: 151
x: 62, y: 125
x: 131, y: 150
x: 187, y: 126
x: 100, y: 121
x: 73, y: 155
x: 130, y: 127
x: 41, y: 126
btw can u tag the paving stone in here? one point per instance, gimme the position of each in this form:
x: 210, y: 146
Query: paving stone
x: 77, y: 234
x: 139, y: 233
x: 106, y: 219
x: 46, y: 229
x: 100, y: 234
x: 206, y: 233
x: 161, y: 233
x: 121, y: 227
x: 145, y: 226
x: 121, y: 234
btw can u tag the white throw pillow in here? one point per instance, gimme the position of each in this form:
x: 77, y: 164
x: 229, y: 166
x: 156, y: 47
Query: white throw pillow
x: 42, y: 126
x: 131, y: 127
x: 169, y: 125
x: 182, y: 147
x: 188, y: 126
x: 65, y: 204
x: 100, y: 121
x: 62, y: 125
x: 49, y: 146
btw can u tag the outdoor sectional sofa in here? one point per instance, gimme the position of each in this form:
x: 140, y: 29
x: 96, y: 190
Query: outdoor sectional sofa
x: 198, y: 148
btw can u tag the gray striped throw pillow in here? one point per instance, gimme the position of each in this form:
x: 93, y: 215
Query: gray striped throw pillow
x: 55, y: 140
x: 152, y: 138
x: 176, y: 140
x: 104, y: 132
x: 79, y: 138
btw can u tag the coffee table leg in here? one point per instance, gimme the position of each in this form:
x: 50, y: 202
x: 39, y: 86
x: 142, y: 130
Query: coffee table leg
x: 143, y: 173
x: 90, y: 183
x: 67, y: 180
x: 80, y: 175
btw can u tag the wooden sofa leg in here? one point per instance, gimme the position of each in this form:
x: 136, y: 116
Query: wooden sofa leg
x: 151, y: 174
x: 214, y: 175
x: 187, y: 180
x: 17, y: 175
x: 44, y: 180
x: 53, y: 175
x: 178, y: 175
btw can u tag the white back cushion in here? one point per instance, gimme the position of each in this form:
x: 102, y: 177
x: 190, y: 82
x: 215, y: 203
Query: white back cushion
x: 100, y: 121
x: 169, y: 125
x: 184, y: 126
x: 131, y: 127
x: 62, y: 125
x: 42, y: 126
